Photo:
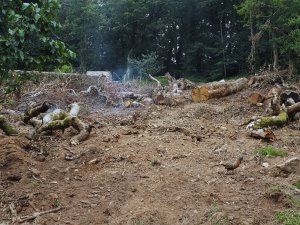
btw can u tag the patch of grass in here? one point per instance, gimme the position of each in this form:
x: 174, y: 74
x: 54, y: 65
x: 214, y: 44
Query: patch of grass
x: 57, y: 203
x: 163, y: 80
x: 297, y: 183
x: 216, y: 217
x: 270, y: 151
x: 137, y: 222
x: 288, y: 217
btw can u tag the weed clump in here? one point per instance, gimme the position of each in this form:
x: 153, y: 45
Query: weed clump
x: 271, y: 151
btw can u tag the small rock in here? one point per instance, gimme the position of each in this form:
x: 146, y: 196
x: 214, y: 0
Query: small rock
x: 147, y: 101
x: 223, y: 128
x: 53, y: 196
x: 285, y: 168
x: 93, y: 161
x: 35, y: 171
x: 265, y: 164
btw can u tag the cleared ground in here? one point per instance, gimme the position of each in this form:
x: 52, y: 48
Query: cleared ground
x: 144, y: 167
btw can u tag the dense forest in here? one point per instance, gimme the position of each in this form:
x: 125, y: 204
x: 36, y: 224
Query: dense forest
x: 209, y: 39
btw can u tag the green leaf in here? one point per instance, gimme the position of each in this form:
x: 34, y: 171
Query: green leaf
x: 25, y: 6
x: 21, y: 54
x: 11, y: 32
x: 37, y: 17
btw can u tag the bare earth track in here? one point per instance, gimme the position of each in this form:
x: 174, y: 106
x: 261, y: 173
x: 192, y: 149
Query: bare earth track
x: 149, y: 171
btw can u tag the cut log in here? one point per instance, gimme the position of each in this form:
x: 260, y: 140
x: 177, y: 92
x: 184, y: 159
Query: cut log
x: 293, y: 109
x: 218, y: 89
x: 7, y: 127
x: 255, y: 97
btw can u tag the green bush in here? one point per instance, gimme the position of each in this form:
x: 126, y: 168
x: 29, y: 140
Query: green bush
x: 270, y: 151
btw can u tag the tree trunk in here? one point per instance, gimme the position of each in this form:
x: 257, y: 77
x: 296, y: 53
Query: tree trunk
x: 251, y: 57
x: 275, y: 57
x: 291, y: 63
x: 218, y: 89
x: 223, y: 49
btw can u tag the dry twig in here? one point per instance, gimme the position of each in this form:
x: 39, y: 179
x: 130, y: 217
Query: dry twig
x: 36, y: 214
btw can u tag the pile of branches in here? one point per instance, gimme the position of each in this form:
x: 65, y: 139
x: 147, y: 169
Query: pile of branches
x: 172, y: 94
x: 283, y: 103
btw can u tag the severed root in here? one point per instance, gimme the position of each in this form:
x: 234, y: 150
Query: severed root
x: 60, y: 120
x: 36, y: 110
x: 61, y: 124
x: 36, y: 214
x: 7, y: 127
x: 84, y: 131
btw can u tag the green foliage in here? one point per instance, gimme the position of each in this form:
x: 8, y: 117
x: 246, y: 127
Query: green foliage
x: 216, y: 217
x: 288, y: 217
x: 297, y: 184
x: 147, y: 64
x: 137, y: 222
x: 279, y: 22
x: 67, y: 68
x: 270, y: 151
x: 27, y: 39
x: 105, y: 35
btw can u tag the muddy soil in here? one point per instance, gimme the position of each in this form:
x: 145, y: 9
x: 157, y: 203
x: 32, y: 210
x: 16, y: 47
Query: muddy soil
x: 152, y: 166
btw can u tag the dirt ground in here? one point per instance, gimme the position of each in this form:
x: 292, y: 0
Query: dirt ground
x: 143, y: 167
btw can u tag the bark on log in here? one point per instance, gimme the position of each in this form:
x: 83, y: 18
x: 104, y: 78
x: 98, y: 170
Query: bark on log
x: 218, y: 89
x: 279, y: 120
x: 7, y: 127
x: 293, y: 109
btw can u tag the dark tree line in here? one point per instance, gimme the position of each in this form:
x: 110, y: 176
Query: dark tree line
x: 208, y: 39
x: 190, y: 37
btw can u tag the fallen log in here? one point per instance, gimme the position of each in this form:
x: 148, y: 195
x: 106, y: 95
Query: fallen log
x: 279, y: 121
x: 7, y: 127
x: 218, y: 89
